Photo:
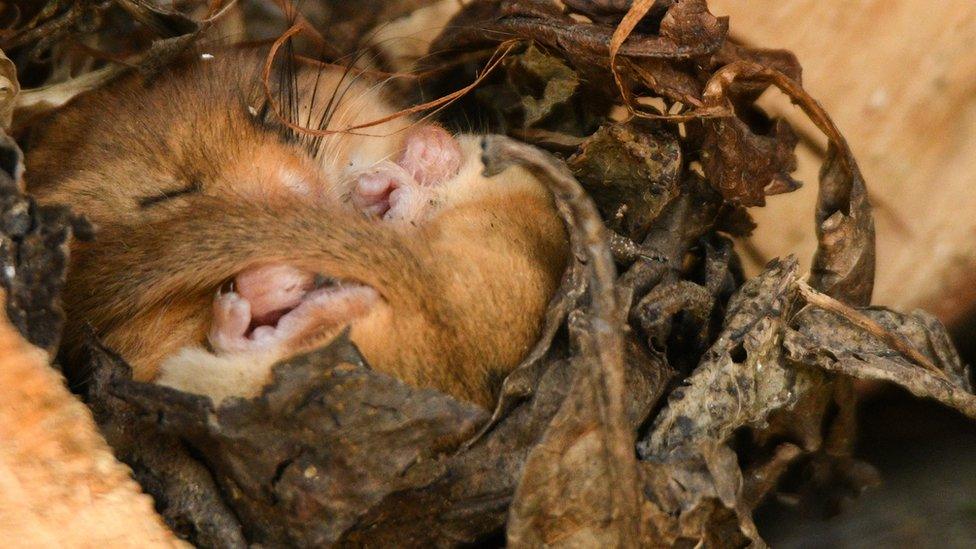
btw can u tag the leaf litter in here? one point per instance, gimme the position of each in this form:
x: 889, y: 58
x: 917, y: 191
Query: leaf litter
x: 667, y: 396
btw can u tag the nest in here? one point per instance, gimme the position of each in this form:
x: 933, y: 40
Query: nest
x: 668, y: 395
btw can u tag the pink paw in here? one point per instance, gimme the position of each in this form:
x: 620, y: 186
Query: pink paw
x: 372, y: 192
x: 403, y: 191
x: 275, y: 306
x: 232, y: 319
x: 387, y: 191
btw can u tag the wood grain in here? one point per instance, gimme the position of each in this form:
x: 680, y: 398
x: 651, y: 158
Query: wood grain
x: 899, y: 78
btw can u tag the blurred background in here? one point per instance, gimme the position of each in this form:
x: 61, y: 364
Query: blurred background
x: 899, y: 79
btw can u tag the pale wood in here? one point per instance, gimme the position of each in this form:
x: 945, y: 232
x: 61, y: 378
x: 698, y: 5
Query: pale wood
x: 60, y: 485
x: 899, y: 78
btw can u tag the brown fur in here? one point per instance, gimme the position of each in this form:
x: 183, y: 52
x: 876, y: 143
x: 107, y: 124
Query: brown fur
x: 463, y: 293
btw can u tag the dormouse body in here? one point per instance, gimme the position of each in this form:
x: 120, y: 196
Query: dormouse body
x: 227, y: 241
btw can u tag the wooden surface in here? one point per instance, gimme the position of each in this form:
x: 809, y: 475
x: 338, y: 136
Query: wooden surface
x: 60, y: 486
x: 899, y: 78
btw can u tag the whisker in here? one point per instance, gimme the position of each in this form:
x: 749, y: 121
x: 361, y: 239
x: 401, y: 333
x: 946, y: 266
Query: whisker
x: 334, y: 102
x: 316, y: 142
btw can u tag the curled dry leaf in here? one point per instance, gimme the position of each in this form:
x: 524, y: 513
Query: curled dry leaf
x: 566, y: 493
x: 836, y: 344
x: 683, y: 36
x: 9, y: 90
x: 843, y: 266
x: 684, y: 28
x: 36, y: 102
x: 743, y: 162
x: 769, y: 372
x: 185, y: 492
x: 685, y: 314
x: 591, y: 432
x: 682, y: 223
x: 691, y: 473
x: 585, y: 230
x: 745, y: 165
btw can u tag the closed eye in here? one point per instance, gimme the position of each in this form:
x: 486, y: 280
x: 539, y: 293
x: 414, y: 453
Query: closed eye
x: 163, y: 196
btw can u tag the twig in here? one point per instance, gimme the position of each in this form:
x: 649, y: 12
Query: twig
x: 866, y: 323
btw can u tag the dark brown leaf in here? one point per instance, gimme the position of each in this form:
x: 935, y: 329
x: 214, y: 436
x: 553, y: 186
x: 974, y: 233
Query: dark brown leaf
x: 327, y: 441
x: 184, y: 490
x: 632, y: 171
x: 744, y: 165
x: 34, y: 250
x: 834, y: 343
x: 843, y: 266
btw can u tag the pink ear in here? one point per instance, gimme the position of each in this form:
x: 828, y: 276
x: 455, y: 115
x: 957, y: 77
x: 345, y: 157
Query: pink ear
x: 430, y: 154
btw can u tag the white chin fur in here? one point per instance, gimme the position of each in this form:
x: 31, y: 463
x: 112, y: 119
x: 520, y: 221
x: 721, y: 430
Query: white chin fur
x: 196, y: 370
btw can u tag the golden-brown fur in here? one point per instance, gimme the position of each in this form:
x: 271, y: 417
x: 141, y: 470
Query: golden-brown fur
x: 463, y: 293
x: 60, y: 486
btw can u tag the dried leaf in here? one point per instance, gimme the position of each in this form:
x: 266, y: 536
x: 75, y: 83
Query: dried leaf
x: 34, y: 248
x: 663, y: 79
x: 869, y: 326
x: 9, y: 89
x: 36, y: 102
x: 689, y: 24
x: 742, y: 377
x: 693, y: 480
x: 326, y: 441
x: 744, y: 165
x: 481, y: 23
x: 559, y: 83
x: 631, y: 171
x: 834, y: 343
x: 566, y: 496
x: 693, y: 500
x: 184, y: 491
x: 747, y: 91
x: 599, y: 396
x: 843, y: 266
x: 685, y: 27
